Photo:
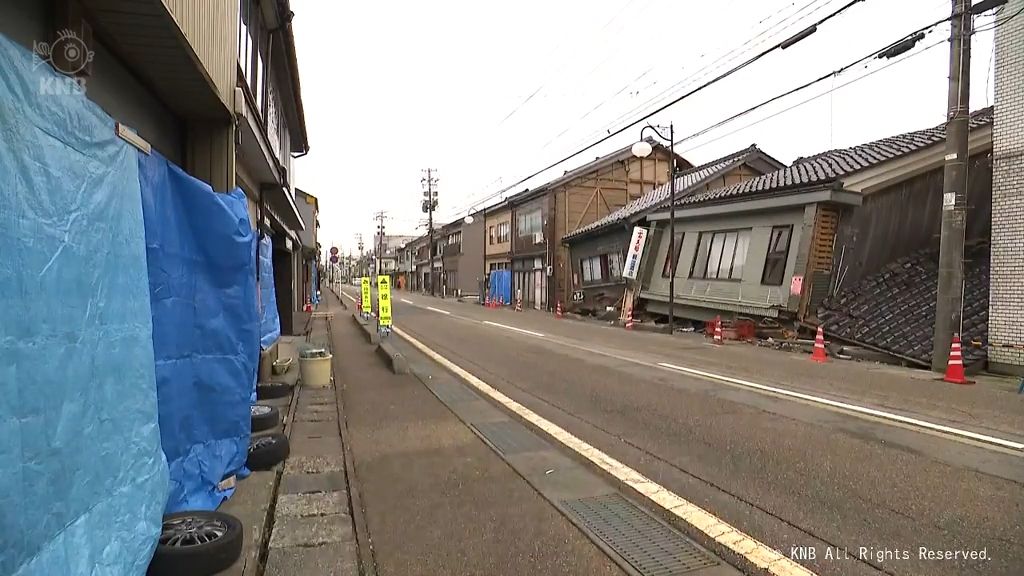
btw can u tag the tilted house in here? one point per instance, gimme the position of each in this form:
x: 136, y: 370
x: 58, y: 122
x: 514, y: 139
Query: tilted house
x: 597, y: 250
x: 780, y: 244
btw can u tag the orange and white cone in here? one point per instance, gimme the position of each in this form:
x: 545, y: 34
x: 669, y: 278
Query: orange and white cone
x: 487, y: 301
x: 519, y: 304
x: 629, y: 319
x: 718, y: 331
x: 558, y: 309
x: 819, y: 354
x: 955, y: 364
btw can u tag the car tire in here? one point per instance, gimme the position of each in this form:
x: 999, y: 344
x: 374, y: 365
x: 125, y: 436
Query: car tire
x: 198, y: 543
x: 264, y: 417
x: 272, y: 390
x: 266, y: 451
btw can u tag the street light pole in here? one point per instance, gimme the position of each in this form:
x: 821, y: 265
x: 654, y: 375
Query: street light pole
x: 642, y: 149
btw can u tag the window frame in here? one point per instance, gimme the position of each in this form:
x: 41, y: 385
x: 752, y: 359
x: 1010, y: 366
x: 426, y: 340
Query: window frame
x: 705, y: 265
x: 777, y: 256
x: 665, y: 272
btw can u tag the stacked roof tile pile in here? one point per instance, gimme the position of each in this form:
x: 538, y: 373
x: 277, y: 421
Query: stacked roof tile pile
x: 894, y: 310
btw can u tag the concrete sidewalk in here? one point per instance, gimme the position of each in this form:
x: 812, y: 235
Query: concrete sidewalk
x: 437, y: 499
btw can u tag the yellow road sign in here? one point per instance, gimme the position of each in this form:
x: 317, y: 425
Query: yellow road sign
x: 365, y: 289
x: 384, y: 301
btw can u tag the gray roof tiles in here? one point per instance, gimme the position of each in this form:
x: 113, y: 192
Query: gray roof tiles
x: 834, y: 164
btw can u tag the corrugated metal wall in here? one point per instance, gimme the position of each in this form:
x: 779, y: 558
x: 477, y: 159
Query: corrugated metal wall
x: 211, y: 27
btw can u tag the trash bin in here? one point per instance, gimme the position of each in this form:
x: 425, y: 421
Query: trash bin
x: 315, y: 367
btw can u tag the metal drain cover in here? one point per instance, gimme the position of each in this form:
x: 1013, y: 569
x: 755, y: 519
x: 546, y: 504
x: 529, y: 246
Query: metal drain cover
x: 510, y: 437
x: 650, y: 546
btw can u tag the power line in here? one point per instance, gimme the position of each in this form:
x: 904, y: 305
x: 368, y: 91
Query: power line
x: 703, y: 86
x: 718, y: 63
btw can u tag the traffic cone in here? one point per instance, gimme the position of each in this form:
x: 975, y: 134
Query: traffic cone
x: 629, y: 319
x: 819, y: 354
x: 558, y: 309
x: 718, y: 331
x: 487, y: 301
x: 955, y: 365
x: 519, y: 304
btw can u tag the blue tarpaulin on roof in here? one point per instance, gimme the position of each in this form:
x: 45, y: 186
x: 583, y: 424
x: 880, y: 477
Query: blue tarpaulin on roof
x: 82, y: 479
x: 270, y: 320
x: 202, y: 282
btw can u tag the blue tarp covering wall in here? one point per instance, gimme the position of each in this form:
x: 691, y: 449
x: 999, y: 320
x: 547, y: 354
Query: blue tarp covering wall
x: 270, y: 320
x: 82, y: 479
x: 500, y: 288
x: 202, y: 283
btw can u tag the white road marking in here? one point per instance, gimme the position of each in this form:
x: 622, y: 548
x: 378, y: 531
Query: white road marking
x: 720, y: 531
x: 850, y: 407
x: 530, y: 332
x: 439, y: 311
x: 408, y: 301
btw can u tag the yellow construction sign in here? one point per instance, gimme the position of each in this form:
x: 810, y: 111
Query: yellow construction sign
x: 383, y: 301
x: 365, y: 289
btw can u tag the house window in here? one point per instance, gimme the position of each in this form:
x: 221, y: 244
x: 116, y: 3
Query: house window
x: 721, y: 255
x: 528, y: 223
x: 490, y: 235
x: 603, y: 268
x: 504, y: 231
x: 666, y: 268
x: 778, y: 253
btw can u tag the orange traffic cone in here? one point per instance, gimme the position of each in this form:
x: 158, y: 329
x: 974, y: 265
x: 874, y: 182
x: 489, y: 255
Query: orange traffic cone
x: 558, y: 309
x: 819, y: 354
x: 487, y: 301
x: 955, y: 365
x: 519, y: 304
x: 718, y: 331
x: 629, y: 319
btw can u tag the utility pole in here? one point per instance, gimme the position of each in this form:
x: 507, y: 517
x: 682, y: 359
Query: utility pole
x: 359, y: 240
x: 379, y: 217
x: 949, y: 299
x: 429, y: 204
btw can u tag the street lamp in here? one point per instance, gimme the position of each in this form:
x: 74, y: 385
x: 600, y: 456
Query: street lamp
x: 643, y: 149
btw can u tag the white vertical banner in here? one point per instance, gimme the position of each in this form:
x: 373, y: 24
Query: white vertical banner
x: 634, y: 252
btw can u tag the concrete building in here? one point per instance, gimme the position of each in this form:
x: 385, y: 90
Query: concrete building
x: 223, y: 102
x: 1006, y: 330
x: 462, y: 256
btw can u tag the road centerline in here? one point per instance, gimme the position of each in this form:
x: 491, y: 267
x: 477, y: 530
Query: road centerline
x: 507, y: 327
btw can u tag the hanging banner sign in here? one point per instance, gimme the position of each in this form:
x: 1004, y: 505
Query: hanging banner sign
x: 383, y: 300
x: 634, y: 252
x: 365, y: 289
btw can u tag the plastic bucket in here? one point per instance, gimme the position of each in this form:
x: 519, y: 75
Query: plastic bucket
x: 315, y: 371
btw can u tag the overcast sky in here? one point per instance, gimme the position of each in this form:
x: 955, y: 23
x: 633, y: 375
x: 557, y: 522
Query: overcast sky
x: 489, y: 92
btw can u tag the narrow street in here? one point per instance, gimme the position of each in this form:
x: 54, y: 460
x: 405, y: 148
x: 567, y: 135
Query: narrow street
x: 841, y: 493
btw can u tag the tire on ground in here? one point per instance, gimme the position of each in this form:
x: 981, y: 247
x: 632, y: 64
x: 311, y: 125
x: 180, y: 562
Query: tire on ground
x: 197, y: 543
x: 272, y: 390
x: 266, y: 451
x: 264, y: 417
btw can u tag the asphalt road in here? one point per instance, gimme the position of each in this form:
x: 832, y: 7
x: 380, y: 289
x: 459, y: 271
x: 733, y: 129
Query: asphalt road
x: 866, y: 495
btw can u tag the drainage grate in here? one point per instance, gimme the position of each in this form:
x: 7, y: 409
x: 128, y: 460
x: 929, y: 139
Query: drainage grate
x: 510, y: 437
x: 452, y: 393
x: 650, y: 546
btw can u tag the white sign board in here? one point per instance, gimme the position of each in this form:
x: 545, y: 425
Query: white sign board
x: 634, y: 252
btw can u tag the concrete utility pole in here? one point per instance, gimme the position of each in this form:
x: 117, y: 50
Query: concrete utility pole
x: 949, y: 300
x: 359, y: 240
x: 379, y: 217
x: 429, y: 182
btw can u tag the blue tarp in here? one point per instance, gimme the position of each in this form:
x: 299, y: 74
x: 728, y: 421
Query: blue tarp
x: 314, y: 291
x: 202, y: 282
x: 500, y: 287
x: 270, y: 321
x: 82, y: 479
